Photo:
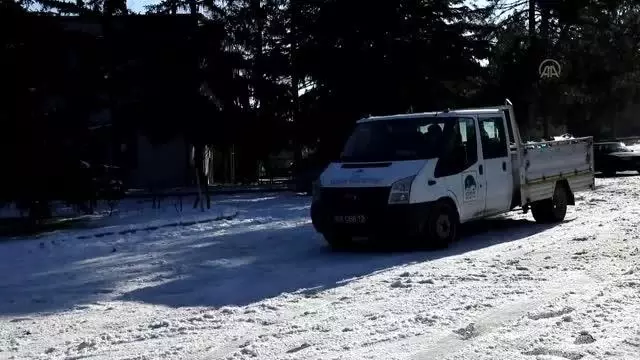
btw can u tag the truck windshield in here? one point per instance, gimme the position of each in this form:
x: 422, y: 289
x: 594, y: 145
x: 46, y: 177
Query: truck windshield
x: 405, y: 139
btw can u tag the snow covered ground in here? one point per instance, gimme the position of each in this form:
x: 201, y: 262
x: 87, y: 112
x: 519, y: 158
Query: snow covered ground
x: 263, y: 285
x: 134, y: 214
x: 635, y: 147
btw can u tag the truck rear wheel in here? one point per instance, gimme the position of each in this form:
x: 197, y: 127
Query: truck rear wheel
x: 441, y: 227
x: 554, y: 209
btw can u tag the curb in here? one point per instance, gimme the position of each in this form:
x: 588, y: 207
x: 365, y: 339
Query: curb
x: 153, y: 228
x: 216, y: 192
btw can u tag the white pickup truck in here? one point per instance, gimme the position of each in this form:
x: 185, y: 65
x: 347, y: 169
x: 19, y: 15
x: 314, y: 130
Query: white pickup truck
x: 420, y: 176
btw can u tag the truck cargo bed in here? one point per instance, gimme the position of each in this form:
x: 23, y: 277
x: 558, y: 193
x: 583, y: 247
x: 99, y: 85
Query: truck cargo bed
x: 545, y: 163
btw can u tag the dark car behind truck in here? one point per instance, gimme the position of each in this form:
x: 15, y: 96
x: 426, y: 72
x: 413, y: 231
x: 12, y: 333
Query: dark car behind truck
x: 611, y: 157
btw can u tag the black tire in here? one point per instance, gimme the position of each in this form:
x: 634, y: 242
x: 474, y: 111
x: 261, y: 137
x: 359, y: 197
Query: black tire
x: 552, y: 210
x: 442, y: 225
x: 338, y: 242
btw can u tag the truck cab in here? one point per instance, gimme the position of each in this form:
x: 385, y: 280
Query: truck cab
x: 421, y: 175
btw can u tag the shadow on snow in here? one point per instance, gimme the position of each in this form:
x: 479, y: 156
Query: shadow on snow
x: 270, y: 249
x: 296, y: 260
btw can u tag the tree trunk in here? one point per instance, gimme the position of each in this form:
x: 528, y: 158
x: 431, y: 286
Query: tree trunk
x: 295, y: 85
x: 532, y: 44
x: 257, y: 73
x: 544, y: 50
x: 201, y: 178
x: 193, y: 7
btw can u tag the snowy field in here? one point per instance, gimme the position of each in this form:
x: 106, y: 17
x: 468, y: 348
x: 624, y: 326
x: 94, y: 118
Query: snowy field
x: 262, y: 285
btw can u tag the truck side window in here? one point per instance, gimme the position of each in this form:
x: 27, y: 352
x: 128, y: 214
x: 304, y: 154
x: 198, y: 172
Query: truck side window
x: 493, y: 138
x: 459, y: 150
x: 470, y: 141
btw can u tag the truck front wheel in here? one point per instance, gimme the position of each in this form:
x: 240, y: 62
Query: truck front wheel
x: 441, y: 227
x: 551, y: 210
x: 338, y: 242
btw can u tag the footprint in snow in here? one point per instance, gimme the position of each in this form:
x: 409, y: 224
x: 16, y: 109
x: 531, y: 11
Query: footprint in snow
x: 209, y: 315
x: 557, y: 353
x: 468, y: 332
x: 250, y: 352
x: 299, y: 348
x: 20, y: 319
x: 195, y: 319
x: 227, y: 311
x: 160, y: 324
x: 87, y: 344
x: 476, y: 306
x: 550, y: 314
x: 425, y: 320
x: 399, y: 285
x: 583, y: 238
x: 269, y: 307
x: 567, y: 318
x: 631, y: 284
x: 584, y: 338
x: 374, y: 316
x: 633, y: 342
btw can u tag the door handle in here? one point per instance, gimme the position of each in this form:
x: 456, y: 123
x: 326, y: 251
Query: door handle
x: 431, y: 182
x: 504, y: 166
x: 480, y: 170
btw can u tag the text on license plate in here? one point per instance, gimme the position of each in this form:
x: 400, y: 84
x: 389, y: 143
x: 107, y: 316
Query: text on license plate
x: 350, y: 219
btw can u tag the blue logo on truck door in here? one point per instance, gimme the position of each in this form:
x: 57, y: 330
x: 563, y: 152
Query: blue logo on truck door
x: 470, y: 187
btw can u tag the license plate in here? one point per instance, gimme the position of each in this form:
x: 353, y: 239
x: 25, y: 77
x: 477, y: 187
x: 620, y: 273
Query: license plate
x: 350, y: 219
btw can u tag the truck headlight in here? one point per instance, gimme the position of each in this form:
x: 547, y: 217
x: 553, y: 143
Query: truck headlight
x: 315, y: 190
x: 400, y: 191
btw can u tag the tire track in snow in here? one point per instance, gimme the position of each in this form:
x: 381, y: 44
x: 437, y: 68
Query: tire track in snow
x: 497, y: 318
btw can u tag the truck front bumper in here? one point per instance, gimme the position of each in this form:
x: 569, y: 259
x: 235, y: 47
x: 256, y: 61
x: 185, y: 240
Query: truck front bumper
x: 383, y: 221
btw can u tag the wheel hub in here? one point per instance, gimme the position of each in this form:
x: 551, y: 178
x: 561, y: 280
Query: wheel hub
x: 559, y: 203
x: 443, y: 226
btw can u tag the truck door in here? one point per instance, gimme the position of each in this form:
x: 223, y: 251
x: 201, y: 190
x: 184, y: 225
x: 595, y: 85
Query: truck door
x: 497, y: 163
x: 459, y: 169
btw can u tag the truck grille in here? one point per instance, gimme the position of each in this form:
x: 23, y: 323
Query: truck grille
x: 355, y: 200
